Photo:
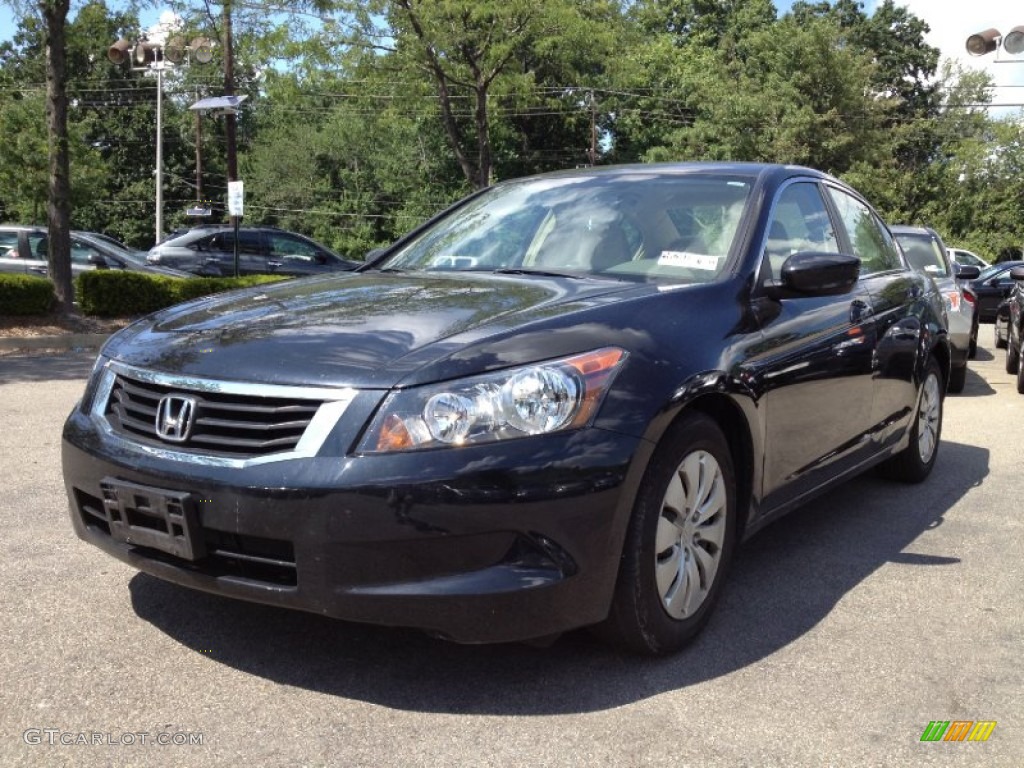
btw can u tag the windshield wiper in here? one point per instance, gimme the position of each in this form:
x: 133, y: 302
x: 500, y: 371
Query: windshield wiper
x: 538, y: 272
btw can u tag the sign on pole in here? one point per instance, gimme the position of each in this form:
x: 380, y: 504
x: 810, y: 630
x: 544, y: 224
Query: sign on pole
x: 236, y: 198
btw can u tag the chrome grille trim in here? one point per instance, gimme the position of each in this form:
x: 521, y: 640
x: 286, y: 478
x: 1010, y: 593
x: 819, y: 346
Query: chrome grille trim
x: 332, y: 404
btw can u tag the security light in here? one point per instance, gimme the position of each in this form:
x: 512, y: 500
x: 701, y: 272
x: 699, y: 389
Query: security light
x: 119, y: 52
x: 1014, y: 40
x: 983, y: 42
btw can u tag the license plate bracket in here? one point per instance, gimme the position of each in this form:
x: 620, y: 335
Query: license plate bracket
x: 153, y: 517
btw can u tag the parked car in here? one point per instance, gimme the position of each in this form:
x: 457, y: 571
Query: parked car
x: 210, y: 250
x: 23, y: 249
x: 1001, y: 327
x: 986, y: 292
x: 967, y: 258
x: 926, y: 253
x: 117, y: 255
x: 562, y: 402
x: 1015, y: 338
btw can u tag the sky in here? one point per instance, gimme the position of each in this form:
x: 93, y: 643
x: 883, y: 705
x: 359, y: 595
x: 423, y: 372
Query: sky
x: 951, y: 22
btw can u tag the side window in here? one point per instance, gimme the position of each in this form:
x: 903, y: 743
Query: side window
x: 250, y: 243
x: 37, y: 245
x: 212, y: 243
x: 288, y: 247
x: 9, y: 245
x: 80, y: 252
x: 868, y: 236
x: 800, y: 222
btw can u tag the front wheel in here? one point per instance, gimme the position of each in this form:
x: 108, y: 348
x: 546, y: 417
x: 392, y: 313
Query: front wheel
x: 914, y: 463
x: 957, y: 380
x: 679, y: 543
x: 1012, y: 355
x: 1020, y: 378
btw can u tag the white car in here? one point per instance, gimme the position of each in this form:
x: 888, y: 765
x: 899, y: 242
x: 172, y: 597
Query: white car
x: 966, y: 258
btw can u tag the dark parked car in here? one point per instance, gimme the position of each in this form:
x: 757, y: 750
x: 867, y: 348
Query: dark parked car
x: 926, y: 253
x: 210, y: 250
x: 23, y: 249
x: 563, y: 402
x: 987, y: 291
x: 1015, y: 337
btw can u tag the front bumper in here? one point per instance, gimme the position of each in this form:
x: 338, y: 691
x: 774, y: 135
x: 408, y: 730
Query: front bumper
x: 502, y: 542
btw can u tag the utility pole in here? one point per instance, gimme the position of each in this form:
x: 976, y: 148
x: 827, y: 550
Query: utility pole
x: 229, y: 90
x: 593, y: 130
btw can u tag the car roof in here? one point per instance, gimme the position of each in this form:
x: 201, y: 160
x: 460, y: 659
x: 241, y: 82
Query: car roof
x: 753, y: 170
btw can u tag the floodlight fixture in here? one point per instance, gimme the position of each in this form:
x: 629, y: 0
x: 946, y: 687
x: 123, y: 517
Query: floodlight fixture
x: 119, y: 52
x: 1014, y: 40
x: 146, y: 53
x: 201, y: 49
x: 174, y: 50
x: 981, y: 43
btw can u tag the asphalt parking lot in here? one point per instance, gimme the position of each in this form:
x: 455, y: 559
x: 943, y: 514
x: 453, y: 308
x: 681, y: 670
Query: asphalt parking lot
x: 845, y: 629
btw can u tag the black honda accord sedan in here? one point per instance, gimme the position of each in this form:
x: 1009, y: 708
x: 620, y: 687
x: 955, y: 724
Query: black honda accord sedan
x: 563, y: 402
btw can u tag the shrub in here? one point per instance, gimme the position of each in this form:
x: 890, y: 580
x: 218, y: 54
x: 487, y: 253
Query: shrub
x: 116, y: 293
x: 25, y: 295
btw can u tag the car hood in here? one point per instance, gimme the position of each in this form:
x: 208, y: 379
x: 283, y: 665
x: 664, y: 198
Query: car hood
x: 368, y: 329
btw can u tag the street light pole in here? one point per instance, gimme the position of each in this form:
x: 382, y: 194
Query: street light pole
x: 159, y: 152
x: 157, y: 57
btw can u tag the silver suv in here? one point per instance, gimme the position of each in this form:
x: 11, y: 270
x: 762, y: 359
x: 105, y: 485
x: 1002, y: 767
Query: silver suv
x: 926, y: 253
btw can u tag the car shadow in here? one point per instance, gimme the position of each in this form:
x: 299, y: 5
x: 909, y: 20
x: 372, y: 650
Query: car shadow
x: 785, y: 581
x: 983, y: 356
x: 64, y: 366
x: 975, y: 385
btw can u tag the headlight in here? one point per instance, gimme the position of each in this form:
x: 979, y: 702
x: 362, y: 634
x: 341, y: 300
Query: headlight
x: 532, y: 400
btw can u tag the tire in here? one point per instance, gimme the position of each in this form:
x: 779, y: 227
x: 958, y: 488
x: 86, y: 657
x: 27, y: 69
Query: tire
x: 1000, y: 342
x: 957, y: 379
x: 972, y: 347
x: 1020, y: 378
x: 675, y: 557
x: 1012, y: 356
x: 914, y: 463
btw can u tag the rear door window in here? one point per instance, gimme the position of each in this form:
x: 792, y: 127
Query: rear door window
x: 868, y: 237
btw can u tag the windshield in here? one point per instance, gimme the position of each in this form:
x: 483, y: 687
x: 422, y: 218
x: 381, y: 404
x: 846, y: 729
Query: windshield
x: 635, y: 227
x: 923, y: 254
x: 995, y: 269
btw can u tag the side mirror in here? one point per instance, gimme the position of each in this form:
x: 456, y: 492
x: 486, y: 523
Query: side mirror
x: 815, y: 273
x: 98, y: 261
x: 1017, y: 273
x: 966, y: 272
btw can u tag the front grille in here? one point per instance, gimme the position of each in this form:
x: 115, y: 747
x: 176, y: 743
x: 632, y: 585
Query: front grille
x: 227, y: 424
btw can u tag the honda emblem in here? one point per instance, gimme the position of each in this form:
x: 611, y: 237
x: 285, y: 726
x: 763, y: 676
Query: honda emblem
x: 175, y: 415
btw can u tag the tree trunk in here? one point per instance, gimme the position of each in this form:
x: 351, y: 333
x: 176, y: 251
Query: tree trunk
x: 58, y: 208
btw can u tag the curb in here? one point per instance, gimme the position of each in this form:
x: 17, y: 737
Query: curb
x: 73, y: 341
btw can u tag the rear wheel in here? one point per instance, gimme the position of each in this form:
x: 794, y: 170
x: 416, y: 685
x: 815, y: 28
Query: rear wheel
x: 1000, y: 341
x: 1012, y: 355
x: 914, y: 463
x: 679, y: 544
x: 1020, y: 378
